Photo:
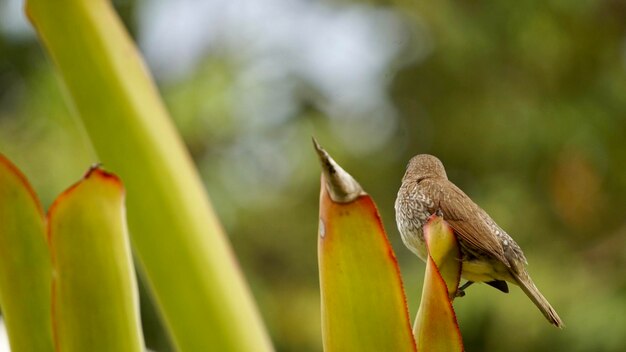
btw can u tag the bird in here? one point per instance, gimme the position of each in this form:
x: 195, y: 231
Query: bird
x: 488, y: 253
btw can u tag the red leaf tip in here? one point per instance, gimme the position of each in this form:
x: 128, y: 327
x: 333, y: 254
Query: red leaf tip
x: 93, y: 168
x: 96, y: 170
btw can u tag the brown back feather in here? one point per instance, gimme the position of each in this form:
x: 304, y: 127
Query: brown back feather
x: 464, y: 217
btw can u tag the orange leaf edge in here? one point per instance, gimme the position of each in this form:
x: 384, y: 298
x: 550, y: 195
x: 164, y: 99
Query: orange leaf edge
x: 13, y: 169
x: 371, y: 206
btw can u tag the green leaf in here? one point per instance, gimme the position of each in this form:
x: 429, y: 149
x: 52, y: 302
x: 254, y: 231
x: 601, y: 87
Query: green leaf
x: 95, y: 302
x: 363, y: 302
x: 178, y: 240
x: 24, y: 264
x: 436, y: 328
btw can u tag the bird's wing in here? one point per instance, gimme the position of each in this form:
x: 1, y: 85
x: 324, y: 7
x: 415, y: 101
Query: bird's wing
x: 464, y: 217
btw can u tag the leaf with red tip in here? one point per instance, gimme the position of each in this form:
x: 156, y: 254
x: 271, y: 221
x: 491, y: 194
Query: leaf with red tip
x: 24, y: 263
x: 436, y: 328
x: 95, y: 302
x: 363, y: 302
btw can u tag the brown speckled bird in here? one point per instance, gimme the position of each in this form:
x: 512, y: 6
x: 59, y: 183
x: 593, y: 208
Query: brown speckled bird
x: 488, y: 253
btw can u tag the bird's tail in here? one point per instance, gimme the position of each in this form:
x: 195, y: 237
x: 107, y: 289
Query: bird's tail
x: 527, y: 285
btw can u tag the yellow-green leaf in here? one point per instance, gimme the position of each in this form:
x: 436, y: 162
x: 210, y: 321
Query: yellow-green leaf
x: 363, y: 302
x: 444, y: 251
x: 183, y: 252
x: 436, y: 328
x: 95, y: 302
x: 24, y: 264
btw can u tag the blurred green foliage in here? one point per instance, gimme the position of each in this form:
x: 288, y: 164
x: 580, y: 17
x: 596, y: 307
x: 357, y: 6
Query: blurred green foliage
x: 524, y: 103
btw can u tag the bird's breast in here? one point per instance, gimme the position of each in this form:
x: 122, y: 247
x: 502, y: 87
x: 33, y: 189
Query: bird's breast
x: 412, y: 212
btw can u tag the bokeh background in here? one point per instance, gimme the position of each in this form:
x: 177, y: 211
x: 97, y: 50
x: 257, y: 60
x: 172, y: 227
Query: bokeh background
x: 524, y: 102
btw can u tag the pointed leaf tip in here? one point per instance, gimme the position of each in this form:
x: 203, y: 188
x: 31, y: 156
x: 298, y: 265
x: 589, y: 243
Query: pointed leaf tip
x: 96, y: 171
x: 92, y: 168
x: 341, y: 186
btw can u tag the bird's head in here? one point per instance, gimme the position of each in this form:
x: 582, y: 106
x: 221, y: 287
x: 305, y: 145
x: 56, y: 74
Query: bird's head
x: 424, y: 166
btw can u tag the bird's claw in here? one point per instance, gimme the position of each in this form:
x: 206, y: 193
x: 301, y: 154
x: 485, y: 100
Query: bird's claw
x: 460, y: 292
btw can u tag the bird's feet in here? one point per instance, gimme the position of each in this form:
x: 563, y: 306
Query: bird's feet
x: 460, y: 292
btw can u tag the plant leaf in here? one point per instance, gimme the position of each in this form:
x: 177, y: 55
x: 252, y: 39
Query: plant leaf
x: 363, y: 302
x: 95, y: 302
x: 436, y: 328
x: 179, y: 242
x: 25, y: 271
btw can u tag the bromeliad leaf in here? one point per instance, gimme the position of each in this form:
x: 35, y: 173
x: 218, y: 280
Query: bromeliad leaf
x: 363, y: 302
x: 436, y: 328
x: 24, y: 264
x: 95, y: 303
